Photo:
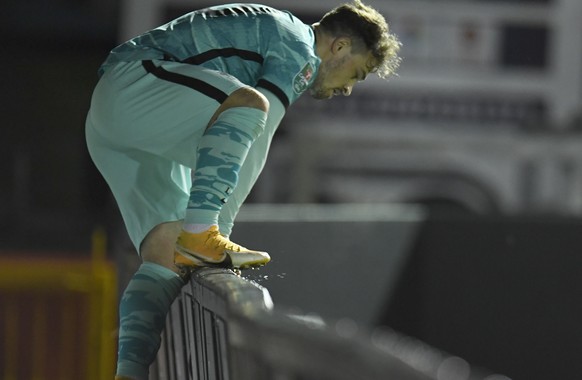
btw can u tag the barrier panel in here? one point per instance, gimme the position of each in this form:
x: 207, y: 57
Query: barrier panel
x: 224, y: 327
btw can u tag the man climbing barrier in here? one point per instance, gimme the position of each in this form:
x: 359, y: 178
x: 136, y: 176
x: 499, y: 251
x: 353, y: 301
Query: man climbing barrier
x: 180, y: 125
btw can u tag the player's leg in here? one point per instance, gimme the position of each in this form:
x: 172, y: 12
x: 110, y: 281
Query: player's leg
x: 238, y: 117
x: 137, y: 138
x: 152, y: 289
x: 146, y: 301
x: 137, y: 128
x: 254, y: 163
x: 221, y: 153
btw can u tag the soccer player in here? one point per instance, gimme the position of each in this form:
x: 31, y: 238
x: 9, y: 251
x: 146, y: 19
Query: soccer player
x: 181, y: 121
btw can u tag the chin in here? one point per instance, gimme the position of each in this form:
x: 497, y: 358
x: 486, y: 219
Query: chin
x: 321, y: 95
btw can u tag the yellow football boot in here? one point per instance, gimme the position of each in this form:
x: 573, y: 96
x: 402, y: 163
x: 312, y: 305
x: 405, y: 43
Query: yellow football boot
x: 211, y: 249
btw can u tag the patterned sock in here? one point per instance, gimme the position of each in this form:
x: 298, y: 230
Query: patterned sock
x: 221, y: 153
x: 142, y: 311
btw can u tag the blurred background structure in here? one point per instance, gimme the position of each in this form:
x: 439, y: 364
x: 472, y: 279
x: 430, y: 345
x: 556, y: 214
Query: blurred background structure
x: 478, y: 141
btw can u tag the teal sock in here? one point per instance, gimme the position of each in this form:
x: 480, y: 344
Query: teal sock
x: 142, y: 313
x: 221, y: 153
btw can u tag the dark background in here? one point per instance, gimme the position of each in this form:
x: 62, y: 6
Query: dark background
x: 52, y: 196
x: 501, y: 292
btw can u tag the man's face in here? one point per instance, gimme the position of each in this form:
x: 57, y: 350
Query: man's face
x: 339, y: 74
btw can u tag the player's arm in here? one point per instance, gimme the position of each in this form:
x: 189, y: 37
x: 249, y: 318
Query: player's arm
x: 253, y: 164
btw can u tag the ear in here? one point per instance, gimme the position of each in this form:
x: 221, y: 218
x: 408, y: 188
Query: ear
x: 341, y: 45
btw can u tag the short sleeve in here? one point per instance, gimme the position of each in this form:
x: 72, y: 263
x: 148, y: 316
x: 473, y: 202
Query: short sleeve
x: 288, y: 71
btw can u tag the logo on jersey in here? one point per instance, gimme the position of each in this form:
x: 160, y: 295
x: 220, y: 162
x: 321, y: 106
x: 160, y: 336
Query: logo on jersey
x: 302, y: 79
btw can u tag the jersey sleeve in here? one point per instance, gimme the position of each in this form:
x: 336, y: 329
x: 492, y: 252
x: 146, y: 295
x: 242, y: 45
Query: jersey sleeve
x: 289, y: 70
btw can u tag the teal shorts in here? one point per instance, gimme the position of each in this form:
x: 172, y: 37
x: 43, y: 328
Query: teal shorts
x: 142, y: 130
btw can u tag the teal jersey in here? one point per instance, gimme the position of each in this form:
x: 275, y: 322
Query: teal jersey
x: 259, y: 45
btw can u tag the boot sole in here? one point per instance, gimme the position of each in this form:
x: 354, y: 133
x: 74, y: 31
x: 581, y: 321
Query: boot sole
x: 194, y: 261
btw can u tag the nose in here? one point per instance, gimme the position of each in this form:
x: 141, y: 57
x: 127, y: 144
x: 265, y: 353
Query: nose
x: 346, y: 91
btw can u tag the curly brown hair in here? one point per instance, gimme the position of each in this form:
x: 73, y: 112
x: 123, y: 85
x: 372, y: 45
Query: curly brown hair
x: 366, y: 25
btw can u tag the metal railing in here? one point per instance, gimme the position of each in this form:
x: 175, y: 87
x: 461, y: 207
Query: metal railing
x: 224, y: 327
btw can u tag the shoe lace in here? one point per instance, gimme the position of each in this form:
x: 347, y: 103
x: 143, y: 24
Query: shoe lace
x: 217, y: 241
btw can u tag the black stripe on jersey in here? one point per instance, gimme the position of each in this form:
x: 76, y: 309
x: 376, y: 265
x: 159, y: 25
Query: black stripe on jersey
x: 240, y: 10
x: 247, y: 55
x: 280, y: 94
x: 193, y: 83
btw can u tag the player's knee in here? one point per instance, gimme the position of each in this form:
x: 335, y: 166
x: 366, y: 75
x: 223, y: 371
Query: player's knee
x: 243, y: 97
x: 247, y: 97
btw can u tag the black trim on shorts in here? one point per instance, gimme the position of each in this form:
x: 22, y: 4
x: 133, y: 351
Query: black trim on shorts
x: 247, y: 55
x: 195, y: 84
x: 280, y: 94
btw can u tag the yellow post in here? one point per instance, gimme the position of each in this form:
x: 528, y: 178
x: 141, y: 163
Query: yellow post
x: 98, y: 245
x: 103, y: 306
